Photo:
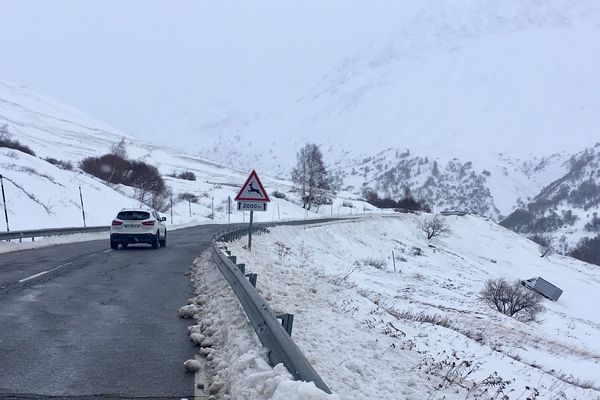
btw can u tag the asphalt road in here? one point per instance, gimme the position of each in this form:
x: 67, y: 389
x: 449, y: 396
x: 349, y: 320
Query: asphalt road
x: 83, y: 321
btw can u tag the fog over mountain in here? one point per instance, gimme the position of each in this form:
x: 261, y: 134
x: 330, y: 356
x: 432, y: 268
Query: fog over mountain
x: 512, y: 76
x: 468, y: 104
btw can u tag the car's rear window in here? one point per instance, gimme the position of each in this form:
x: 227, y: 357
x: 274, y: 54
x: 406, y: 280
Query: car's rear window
x: 133, y: 215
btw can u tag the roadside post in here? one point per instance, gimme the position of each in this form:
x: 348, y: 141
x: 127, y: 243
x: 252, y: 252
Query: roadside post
x: 4, y: 203
x: 228, y: 209
x: 82, y: 207
x: 252, y: 197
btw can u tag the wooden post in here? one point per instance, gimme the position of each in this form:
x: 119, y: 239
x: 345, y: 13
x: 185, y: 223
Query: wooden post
x: 228, y: 208
x: 82, y: 208
x: 171, y: 209
x: 4, y: 202
x: 394, y: 260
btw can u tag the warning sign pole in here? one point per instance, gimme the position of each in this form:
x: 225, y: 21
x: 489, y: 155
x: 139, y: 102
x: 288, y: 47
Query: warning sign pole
x: 252, y: 197
x: 250, y: 231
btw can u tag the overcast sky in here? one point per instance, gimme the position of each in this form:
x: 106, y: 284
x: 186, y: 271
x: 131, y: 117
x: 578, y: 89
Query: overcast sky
x: 174, y: 71
x: 163, y: 68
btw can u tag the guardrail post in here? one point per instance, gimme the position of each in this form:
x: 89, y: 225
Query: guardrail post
x: 287, y: 321
x: 242, y: 268
x: 233, y: 259
x: 252, y: 279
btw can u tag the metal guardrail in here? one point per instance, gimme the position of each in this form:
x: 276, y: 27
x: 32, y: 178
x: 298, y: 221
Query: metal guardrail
x: 269, y: 330
x: 235, y: 234
x: 50, y: 232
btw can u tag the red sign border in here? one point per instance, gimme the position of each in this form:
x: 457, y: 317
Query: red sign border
x: 266, y: 199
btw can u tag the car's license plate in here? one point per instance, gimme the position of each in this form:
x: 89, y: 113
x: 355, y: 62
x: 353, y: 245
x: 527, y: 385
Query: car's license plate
x: 130, y: 226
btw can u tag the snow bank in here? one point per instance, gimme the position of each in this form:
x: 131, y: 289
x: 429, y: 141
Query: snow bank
x: 27, y: 244
x: 234, y: 356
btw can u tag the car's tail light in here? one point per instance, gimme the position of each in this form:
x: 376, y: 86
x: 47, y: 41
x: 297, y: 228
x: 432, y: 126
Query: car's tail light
x: 115, y: 222
x: 148, y: 223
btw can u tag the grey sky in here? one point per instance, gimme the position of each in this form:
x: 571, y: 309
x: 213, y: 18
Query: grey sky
x: 162, y: 68
x: 408, y: 73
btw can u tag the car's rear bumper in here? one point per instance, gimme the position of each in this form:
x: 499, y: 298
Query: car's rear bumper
x: 132, y: 238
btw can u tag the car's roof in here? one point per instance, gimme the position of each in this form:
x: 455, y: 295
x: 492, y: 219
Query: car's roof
x: 136, y: 209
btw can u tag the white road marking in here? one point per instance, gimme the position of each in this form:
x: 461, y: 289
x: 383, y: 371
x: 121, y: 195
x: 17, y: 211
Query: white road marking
x: 107, y: 251
x: 44, y: 272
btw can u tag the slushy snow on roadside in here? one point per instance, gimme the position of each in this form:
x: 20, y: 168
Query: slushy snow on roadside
x: 234, y: 356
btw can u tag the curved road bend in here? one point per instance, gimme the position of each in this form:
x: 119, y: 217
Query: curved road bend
x: 82, y: 321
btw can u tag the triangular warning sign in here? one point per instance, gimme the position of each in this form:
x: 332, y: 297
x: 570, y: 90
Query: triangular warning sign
x: 253, y: 190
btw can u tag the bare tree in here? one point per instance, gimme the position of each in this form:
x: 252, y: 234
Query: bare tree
x: 119, y: 152
x: 512, y: 299
x: 311, y: 176
x: 544, y: 245
x: 119, y: 149
x: 434, y: 226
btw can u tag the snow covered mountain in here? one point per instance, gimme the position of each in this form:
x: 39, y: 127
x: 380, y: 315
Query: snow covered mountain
x: 565, y: 211
x: 508, y: 87
x: 485, y: 186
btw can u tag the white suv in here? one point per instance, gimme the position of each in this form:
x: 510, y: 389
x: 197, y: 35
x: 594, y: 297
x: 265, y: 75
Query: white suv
x: 134, y: 225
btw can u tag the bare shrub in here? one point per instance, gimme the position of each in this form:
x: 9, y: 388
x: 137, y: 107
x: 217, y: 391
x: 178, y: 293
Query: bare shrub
x: 282, y: 250
x: 109, y: 167
x: 8, y: 142
x: 434, y: 226
x: 347, y: 204
x: 160, y: 201
x: 379, y: 263
x: 279, y: 195
x: 512, y: 299
x: 66, y: 165
x: 306, y: 256
x: 188, y: 197
x: 187, y: 175
x: 146, y: 179
x: 454, y: 372
x: 450, y: 368
x: 415, y: 251
x: 343, y: 277
x: 422, y: 317
x: 419, y: 277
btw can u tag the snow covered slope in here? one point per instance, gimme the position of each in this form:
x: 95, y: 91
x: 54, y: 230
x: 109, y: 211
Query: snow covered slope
x: 417, y: 328
x: 40, y: 195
